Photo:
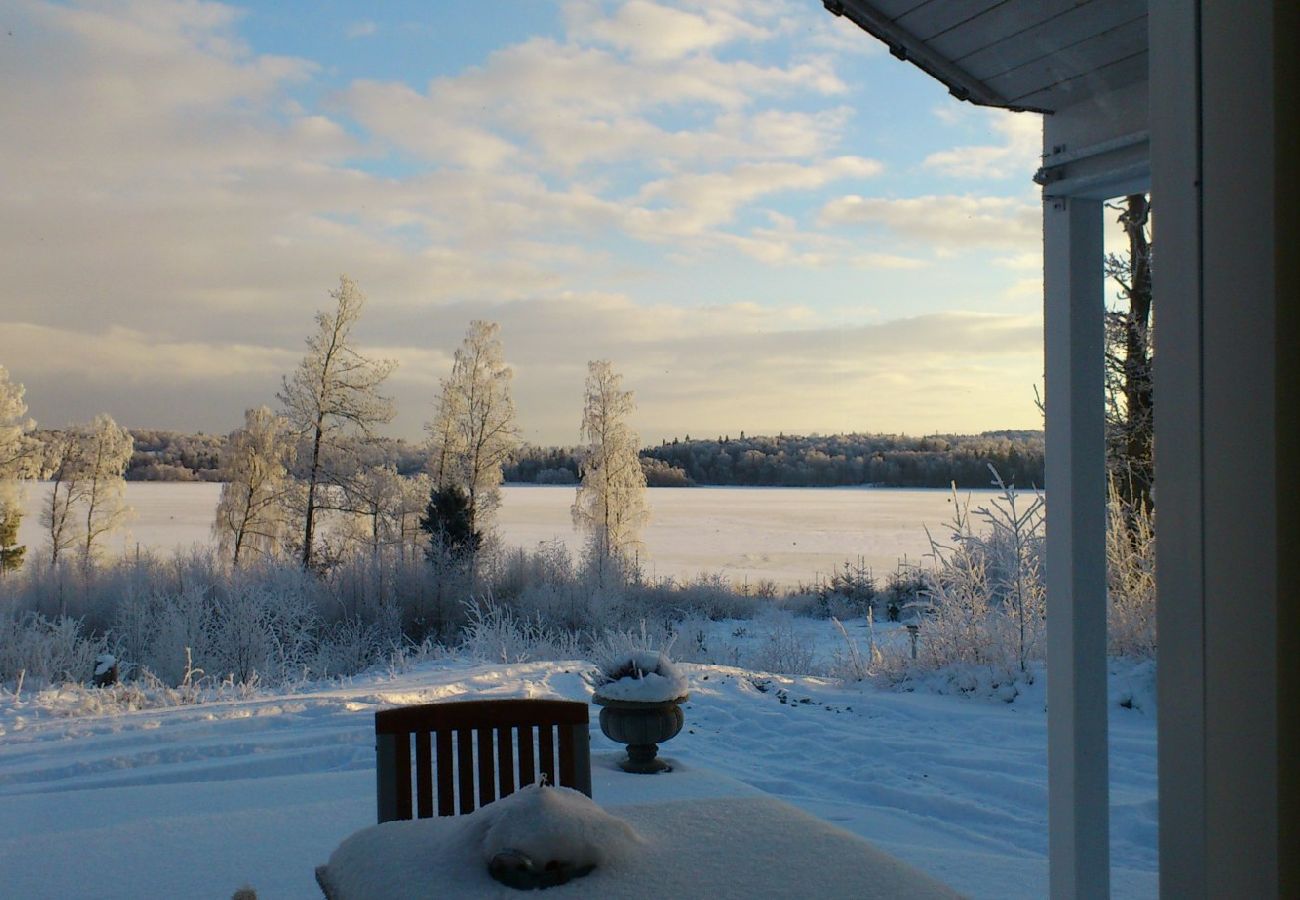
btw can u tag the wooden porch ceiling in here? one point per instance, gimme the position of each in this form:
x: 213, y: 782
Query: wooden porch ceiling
x: 1035, y: 55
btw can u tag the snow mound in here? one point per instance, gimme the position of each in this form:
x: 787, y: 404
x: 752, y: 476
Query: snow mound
x: 556, y: 823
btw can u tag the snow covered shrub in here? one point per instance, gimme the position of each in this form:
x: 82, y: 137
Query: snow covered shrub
x: 1014, y: 549
x: 714, y: 597
x: 848, y: 593
x: 185, y: 633
x: 495, y: 634
x: 261, y: 635
x: 1130, y: 577
x: 346, y: 647
x: 849, y: 662
x: 781, y: 648
x: 44, y: 651
x: 984, y: 600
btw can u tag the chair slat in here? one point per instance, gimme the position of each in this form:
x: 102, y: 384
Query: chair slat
x: 506, y: 759
x: 402, y: 775
x: 465, y: 770
x: 446, y: 768
x: 546, y: 744
x: 487, y: 789
x: 423, y: 776
x: 527, y: 764
x: 566, y: 774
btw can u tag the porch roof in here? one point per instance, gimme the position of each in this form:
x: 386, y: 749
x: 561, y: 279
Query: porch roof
x: 1024, y: 55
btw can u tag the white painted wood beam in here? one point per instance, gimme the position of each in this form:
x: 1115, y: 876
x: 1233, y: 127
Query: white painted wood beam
x: 1078, y: 770
x: 1180, y: 550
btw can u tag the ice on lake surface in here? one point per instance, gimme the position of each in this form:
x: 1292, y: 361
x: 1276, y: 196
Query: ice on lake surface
x: 788, y: 535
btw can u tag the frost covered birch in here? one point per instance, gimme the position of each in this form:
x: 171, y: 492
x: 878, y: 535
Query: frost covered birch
x: 106, y: 454
x: 473, y: 429
x: 251, y: 512
x: 62, y: 466
x: 15, y: 462
x: 333, y: 391
x: 610, y: 505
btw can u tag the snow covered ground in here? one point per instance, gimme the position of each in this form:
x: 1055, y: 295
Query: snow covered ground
x: 194, y: 801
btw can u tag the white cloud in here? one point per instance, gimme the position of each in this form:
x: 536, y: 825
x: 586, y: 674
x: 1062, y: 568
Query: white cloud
x: 943, y: 222
x: 1017, y: 155
x: 653, y: 31
x: 570, y: 103
x: 699, y: 201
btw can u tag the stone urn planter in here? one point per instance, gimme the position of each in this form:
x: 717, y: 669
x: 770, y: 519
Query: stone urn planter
x: 640, y: 693
x: 643, y: 727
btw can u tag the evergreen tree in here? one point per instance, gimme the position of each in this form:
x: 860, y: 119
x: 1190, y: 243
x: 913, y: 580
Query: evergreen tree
x: 448, y: 521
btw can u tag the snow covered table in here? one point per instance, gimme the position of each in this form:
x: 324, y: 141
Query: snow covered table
x: 748, y: 847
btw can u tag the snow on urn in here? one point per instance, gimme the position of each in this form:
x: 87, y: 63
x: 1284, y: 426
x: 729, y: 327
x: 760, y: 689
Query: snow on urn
x: 640, y: 694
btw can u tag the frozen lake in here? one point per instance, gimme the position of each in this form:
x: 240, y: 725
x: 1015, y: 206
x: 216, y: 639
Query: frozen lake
x: 789, y: 535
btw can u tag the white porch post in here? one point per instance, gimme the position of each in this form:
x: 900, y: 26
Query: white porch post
x: 1078, y: 793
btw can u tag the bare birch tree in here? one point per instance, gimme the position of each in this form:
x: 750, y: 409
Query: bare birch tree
x: 251, y: 512
x: 474, y: 429
x: 62, y: 465
x: 334, y: 391
x: 610, y: 506
x: 107, y: 449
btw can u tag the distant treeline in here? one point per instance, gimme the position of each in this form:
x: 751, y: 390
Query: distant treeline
x: 816, y: 461
x: 783, y: 460
x: 848, y: 459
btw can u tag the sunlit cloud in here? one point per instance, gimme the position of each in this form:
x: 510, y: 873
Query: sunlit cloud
x: 955, y: 222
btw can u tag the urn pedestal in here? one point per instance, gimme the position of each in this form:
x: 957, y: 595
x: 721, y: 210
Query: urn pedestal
x: 642, y: 726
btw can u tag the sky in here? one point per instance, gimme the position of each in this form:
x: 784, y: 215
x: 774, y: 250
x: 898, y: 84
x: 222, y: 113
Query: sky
x: 765, y: 221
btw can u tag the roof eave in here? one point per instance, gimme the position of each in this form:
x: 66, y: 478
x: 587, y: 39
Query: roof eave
x: 909, y: 48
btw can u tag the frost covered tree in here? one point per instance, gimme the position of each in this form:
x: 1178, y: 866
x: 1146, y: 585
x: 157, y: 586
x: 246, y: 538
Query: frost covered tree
x: 16, y: 455
x: 251, y: 512
x: 374, y: 495
x: 610, y: 506
x: 15, y: 449
x: 334, y: 393
x: 106, y: 452
x: 473, y: 431
x: 85, y: 465
x: 11, y: 516
x: 62, y: 467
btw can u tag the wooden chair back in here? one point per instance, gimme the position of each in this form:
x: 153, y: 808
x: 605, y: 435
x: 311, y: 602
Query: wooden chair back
x: 469, y: 753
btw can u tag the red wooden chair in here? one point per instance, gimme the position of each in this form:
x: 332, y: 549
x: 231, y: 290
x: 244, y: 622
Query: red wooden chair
x: 476, y: 750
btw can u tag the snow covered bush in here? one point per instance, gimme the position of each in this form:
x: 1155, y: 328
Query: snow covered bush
x: 495, y: 634
x: 782, y: 648
x: 40, y: 651
x: 983, y: 602
x: 1131, y: 578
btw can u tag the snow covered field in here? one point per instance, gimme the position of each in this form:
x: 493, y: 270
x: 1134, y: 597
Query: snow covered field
x: 788, y: 535
x: 194, y: 801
